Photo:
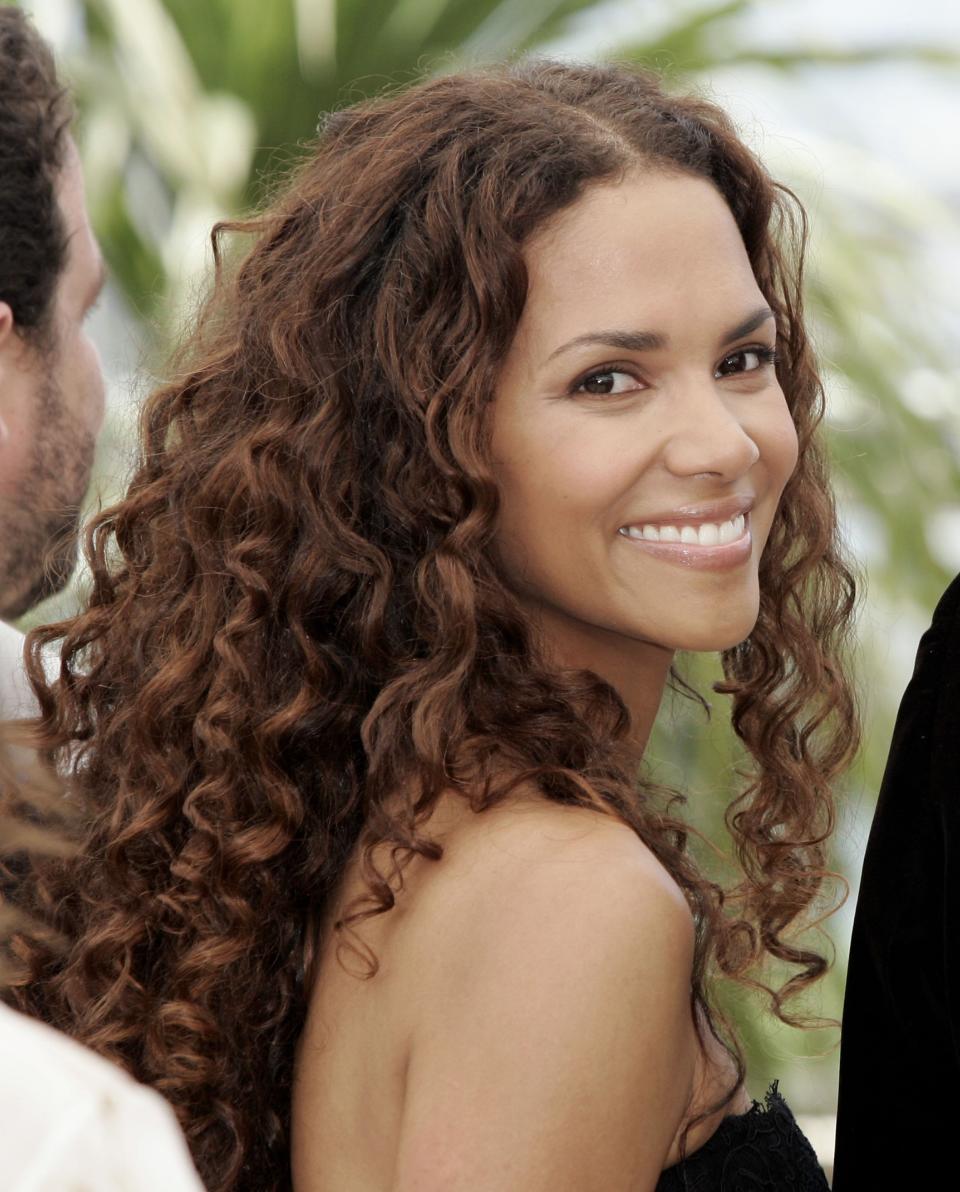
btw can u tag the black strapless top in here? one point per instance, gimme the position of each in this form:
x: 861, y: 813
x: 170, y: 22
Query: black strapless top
x: 761, y: 1150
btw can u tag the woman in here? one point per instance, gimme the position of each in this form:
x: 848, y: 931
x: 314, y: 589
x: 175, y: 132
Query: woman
x: 487, y: 424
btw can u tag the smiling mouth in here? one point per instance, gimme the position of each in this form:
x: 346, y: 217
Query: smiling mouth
x: 702, y: 546
x: 705, y: 534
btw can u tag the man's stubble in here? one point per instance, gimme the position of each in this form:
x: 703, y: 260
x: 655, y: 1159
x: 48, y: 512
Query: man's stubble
x: 39, y: 524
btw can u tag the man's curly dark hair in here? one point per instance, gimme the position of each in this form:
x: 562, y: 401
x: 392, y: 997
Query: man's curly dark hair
x: 35, y: 116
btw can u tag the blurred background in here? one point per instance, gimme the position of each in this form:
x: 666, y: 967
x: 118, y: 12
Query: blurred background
x: 191, y: 108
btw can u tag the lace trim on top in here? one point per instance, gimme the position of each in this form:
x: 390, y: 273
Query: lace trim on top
x: 762, y: 1150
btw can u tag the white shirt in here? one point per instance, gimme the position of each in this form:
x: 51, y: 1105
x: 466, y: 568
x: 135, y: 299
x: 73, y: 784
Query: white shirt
x: 16, y: 694
x: 69, y: 1120
x: 72, y: 1122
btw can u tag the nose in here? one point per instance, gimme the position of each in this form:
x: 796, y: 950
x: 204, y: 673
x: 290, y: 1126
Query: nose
x: 97, y: 389
x: 708, y: 438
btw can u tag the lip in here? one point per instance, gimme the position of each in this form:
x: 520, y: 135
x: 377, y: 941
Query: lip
x: 705, y: 511
x: 701, y: 558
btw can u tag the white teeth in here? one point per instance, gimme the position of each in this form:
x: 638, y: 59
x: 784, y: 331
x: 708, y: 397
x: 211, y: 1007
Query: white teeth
x: 733, y: 529
x: 707, y: 534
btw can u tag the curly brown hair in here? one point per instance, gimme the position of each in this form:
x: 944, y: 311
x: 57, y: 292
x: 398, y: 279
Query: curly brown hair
x: 298, y: 635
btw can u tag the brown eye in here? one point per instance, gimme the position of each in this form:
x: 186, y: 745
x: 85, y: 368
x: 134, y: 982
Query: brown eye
x: 745, y: 360
x: 608, y: 382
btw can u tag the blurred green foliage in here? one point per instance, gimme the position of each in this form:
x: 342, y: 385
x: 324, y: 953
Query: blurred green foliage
x: 191, y: 109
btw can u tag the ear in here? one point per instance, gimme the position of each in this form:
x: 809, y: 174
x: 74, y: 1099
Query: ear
x: 7, y: 326
x: 7, y: 342
x: 8, y: 336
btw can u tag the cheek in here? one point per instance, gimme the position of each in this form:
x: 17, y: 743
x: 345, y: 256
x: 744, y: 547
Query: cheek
x: 539, y: 478
x: 82, y: 382
x: 96, y: 386
x: 776, y: 437
x: 552, y: 479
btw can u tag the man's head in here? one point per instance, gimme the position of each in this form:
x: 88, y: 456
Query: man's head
x: 51, y: 272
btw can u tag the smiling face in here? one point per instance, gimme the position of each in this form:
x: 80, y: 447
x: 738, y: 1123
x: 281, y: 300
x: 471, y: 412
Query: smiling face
x: 641, y: 440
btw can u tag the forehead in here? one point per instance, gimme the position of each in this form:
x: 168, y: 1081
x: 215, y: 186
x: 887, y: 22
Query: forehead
x: 649, y: 251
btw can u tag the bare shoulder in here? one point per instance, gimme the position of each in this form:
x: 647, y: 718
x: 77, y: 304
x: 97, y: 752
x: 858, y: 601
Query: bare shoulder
x: 554, y: 1045
x: 559, y: 869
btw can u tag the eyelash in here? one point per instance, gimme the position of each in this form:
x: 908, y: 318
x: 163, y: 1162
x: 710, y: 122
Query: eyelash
x: 766, y: 356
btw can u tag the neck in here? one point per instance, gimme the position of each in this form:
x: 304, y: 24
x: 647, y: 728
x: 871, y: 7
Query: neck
x: 637, y: 670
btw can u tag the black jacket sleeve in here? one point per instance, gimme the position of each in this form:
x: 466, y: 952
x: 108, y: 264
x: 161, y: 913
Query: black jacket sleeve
x: 897, y: 1121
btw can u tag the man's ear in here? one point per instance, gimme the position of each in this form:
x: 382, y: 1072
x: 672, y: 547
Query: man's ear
x: 7, y: 342
x: 7, y: 326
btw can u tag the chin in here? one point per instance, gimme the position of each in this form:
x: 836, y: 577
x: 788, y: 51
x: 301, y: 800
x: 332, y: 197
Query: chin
x: 711, y: 639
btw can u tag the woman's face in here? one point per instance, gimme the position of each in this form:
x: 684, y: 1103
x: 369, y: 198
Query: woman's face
x: 640, y: 438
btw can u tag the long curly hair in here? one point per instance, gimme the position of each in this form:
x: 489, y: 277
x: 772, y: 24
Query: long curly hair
x: 298, y: 635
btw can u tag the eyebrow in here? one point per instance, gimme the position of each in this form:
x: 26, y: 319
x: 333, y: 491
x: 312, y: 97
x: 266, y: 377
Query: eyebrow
x: 649, y: 341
